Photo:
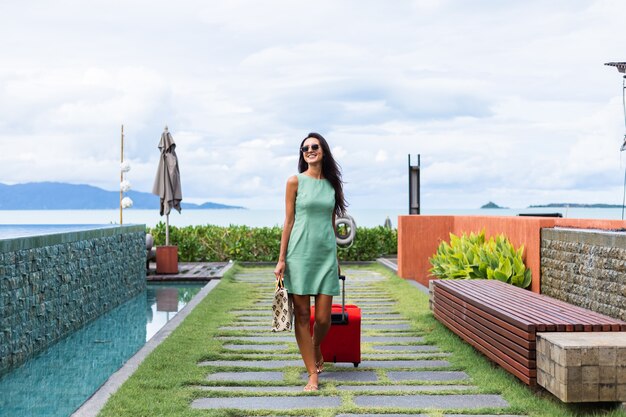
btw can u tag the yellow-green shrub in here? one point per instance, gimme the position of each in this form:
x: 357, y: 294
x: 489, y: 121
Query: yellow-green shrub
x: 473, y: 257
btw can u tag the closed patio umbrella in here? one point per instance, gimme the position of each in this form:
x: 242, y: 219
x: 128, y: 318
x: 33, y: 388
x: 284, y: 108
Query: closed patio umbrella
x: 167, y: 181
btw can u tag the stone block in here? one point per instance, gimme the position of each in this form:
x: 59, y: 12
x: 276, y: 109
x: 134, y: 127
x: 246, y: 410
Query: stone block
x: 540, y: 347
x: 573, y: 392
x: 620, y: 374
x: 426, y: 375
x: 607, y: 392
x: 590, y: 393
x: 560, y: 373
x: 559, y: 389
x: 270, y: 403
x: 574, y: 375
x: 431, y: 401
x: 572, y: 358
x: 557, y: 354
x: 589, y: 356
x: 591, y: 375
x: 608, y: 375
x: 355, y: 376
x: 542, y: 378
x: 585, y: 380
x: 551, y: 367
x: 607, y: 356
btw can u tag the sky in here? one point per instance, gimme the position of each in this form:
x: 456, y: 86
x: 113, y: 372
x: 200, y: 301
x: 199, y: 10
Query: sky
x: 505, y: 101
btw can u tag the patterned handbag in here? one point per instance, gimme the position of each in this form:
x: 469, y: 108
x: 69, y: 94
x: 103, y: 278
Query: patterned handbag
x: 282, y: 307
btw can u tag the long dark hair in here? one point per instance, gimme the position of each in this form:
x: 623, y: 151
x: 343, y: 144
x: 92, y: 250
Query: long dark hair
x: 330, y: 170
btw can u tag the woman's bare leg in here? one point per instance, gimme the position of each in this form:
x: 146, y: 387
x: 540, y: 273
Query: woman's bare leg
x: 302, y: 310
x: 323, y: 307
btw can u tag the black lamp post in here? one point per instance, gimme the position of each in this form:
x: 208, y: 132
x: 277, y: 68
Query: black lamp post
x: 414, y: 186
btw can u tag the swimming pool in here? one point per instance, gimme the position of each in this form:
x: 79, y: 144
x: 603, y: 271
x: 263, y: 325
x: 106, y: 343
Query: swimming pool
x: 12, y: 231
x: 55, y: 279
x: 58, y: 380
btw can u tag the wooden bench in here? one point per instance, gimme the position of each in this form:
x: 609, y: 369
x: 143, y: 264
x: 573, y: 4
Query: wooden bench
x: 501, y: 320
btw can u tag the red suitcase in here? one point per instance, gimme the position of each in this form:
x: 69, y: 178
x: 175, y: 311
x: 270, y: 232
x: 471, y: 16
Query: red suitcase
x: 343, y: 341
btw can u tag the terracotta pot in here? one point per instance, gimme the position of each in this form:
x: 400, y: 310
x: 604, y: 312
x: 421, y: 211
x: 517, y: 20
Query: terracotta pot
x: 167, y: 259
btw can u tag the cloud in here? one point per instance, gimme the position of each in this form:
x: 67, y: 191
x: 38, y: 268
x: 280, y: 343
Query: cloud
x: 504, y: 101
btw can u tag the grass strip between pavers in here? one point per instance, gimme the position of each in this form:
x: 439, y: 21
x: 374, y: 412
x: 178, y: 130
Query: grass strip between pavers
x: 169, y: 379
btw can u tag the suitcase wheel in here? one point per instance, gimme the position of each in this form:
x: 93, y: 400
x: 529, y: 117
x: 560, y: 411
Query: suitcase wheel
x: 355, y: 364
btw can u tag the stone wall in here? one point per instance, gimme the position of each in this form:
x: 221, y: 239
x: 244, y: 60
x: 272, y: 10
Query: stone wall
x: 51, y: 285
x: 586, y: 268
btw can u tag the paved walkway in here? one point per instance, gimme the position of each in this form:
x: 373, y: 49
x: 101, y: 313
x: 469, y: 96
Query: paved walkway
x: 398, y: 372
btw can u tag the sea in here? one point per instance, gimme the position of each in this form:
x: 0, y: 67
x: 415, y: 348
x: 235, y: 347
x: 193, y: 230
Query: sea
x: 266, y: 217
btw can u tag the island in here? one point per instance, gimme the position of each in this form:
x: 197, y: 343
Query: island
x: 63, y: 196
x: 576, y: 205
x: 491, y: 205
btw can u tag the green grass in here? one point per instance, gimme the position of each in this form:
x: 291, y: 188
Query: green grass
x: 165, y: 383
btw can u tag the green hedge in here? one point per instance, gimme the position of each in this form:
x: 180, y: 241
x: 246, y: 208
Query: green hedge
x: 261, y: 244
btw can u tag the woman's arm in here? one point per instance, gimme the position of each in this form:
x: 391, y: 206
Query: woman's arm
x: 290, y: 212
x: 335, y: 232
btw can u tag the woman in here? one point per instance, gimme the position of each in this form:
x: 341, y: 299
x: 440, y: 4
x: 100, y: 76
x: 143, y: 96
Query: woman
x: 308, y: 250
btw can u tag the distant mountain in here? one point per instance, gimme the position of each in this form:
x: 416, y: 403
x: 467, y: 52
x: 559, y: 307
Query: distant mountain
x: 491, y: 205
x: 62, y: 196
x: 577, y: 205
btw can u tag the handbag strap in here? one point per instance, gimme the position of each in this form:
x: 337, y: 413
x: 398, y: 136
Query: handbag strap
x: 280, y: 283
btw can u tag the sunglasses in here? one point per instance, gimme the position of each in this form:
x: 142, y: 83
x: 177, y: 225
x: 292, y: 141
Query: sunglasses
x: 305, y: 148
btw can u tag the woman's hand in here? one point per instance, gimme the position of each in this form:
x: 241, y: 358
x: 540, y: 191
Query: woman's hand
x: 279, y: 271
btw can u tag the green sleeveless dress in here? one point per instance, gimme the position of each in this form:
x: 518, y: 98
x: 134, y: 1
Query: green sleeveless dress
x: 311, y: 262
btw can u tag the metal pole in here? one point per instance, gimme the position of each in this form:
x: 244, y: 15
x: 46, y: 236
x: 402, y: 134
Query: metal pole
x: 167, y: 230
x: 624, y: 143
x: 121, y: 173
x: 624, y: 98
x: 414, y: 187
x: 624, y: 195
x: 419, y: 185
x: 410, y: 188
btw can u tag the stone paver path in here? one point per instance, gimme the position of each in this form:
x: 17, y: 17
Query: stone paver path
x: 399, y: 371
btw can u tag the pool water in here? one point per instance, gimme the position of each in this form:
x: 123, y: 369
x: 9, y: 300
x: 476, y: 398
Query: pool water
x: 13, y: 231
x: 57, y: 381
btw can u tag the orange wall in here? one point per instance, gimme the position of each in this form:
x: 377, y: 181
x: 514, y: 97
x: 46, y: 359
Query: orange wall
x: 419, y: 236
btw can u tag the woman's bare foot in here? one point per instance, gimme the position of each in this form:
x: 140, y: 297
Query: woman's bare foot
x: 312, y: 384
x: 319, y: 359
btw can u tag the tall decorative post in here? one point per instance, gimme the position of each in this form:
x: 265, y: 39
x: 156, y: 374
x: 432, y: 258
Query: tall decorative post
x: 125, y: 202
x: 414, y: 186
x: 121, y: 173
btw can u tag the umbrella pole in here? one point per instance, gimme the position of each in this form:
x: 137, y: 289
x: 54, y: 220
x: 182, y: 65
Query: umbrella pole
x: 167, y: 230
x: 121, y: 172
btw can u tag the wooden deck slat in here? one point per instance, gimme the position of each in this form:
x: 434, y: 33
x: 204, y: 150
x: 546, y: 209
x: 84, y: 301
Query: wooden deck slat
x: 503, y: 306
x: 500, y: 323
x: 469, y: 339
x: 518, y: 304
x: 512, y: 319
x: 499, y: 345
x: 587, y: 316
x: 509, y: 330
x: 190, y: 271
x: 518, y: 344
x: 559, y: 311
x: 524, y: 305
x: 562, y: 321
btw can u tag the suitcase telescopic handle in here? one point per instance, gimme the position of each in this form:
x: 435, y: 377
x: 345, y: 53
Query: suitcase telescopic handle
x: 343, y: 295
